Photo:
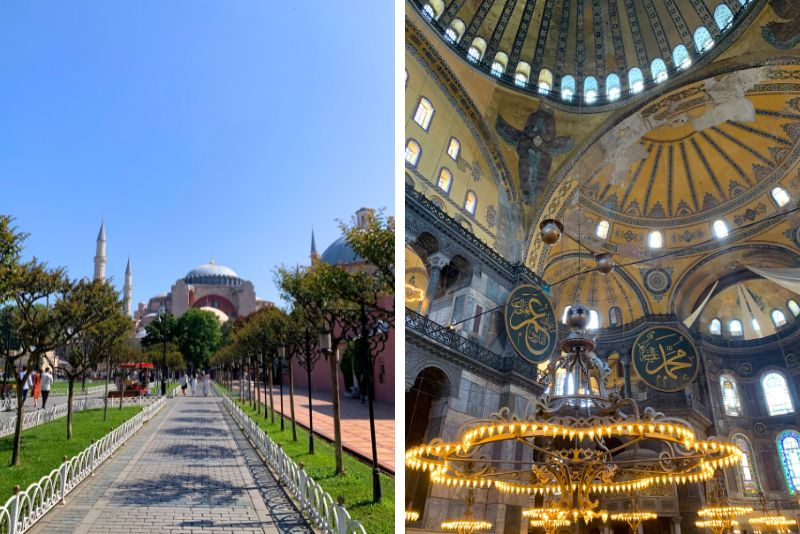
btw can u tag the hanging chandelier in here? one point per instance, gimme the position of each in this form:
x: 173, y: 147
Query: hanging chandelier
x: 634, y: 517
x: 718, y: 515
x: 411, y: 516
x: 468, y: 523
x: 767, y: 521
x: 548, y: 519
x: 584, y: 442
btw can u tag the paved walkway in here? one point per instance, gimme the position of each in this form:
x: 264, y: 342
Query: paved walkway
x: 189, y: 469
x: 355, y: 422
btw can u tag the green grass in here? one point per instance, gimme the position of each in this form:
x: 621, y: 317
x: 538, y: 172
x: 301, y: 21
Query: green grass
x: 355, y: 485
x: 43, y: 447
x: 60, y: 388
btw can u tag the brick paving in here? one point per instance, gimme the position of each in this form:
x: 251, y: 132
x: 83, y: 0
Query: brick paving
x: 190, y: 469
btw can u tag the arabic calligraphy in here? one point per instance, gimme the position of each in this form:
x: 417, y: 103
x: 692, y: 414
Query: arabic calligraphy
x: 530, y: 323
x: 665, y: 359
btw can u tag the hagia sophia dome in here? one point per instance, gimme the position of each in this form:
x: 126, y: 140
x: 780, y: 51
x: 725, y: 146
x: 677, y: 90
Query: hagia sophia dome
x: 213, y: 274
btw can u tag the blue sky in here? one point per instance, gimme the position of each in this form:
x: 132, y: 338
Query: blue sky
x: 194, y: 129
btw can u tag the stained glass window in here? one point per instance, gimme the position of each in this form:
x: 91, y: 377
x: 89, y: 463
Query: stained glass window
x: 776, y: 394
x: 788, y: 443
x: 746, y: 467
x: 730, y: 396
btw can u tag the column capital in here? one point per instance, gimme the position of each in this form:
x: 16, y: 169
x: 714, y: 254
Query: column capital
x: 438, y: 260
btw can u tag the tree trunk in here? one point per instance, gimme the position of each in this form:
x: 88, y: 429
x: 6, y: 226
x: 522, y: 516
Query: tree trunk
x: 257, y: 390
x: 337, y: 416
x: 18, y: 425
x: 121, y: 391
x: 271, y: 400
x: 105, y: 400
x: 291, y: 401
x: 70, y: 389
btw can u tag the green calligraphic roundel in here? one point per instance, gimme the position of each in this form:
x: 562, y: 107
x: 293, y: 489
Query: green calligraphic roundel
x: 665, y: 359
x: 531, y: 323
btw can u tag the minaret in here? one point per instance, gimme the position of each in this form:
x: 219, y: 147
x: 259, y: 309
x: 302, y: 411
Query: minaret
x: 314, y: 255
x: 100, y: 254
x: 127, y: 290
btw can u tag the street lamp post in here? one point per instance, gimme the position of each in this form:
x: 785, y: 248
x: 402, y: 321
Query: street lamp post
x: 377, y: 491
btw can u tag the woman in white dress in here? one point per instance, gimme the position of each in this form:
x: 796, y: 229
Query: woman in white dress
x: 206, y: 384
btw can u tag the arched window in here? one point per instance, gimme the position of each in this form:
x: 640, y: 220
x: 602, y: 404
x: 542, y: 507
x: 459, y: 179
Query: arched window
x: 455, y: 31
x: 475, y: 52
x: 453, y: 148
x: 635, y: 80
x: 522, y: 75
x: 602, y: 229
x: 614, y: 316
x: 780, y: 196
x: 703, y: 40
x: 746, y: 467
x: 428, y: 12
x: 413, y: 152
x: 658, y: 70
x: 613, y: 87
x: 730, y: 395
x: 776, y: 393
x: 471, y: 202
x: 680, y: 57
x: 793, y: 307
x: 567, y: 88
x: 499, y: 64
x: 723, y: 16
x: 545, y: 83
x: 720, y: 229
x: 778, y: 318
x: 715, y: 327
x: 735, y: 327
x: 590, y: 90
x: 445, y: 179
x: 655, y: 239
x: 424, y: 113
x: 788, y: 443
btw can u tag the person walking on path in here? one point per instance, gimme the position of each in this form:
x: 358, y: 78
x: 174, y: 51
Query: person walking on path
x: 25, y: 385
x: 184, y: 383
x: 47, y: 381
x: 206, y: 384
x: 193, y: 382
x: 37, y: 388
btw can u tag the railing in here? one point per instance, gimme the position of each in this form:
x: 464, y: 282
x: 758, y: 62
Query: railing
x: 470, y: 349
x: 26, y: 507
x: 10, y: 403
x: 314, y: 502
x: 32, y: 419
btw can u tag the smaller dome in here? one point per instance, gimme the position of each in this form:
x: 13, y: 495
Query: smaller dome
x: 340, y: 252
x: 221, y: 315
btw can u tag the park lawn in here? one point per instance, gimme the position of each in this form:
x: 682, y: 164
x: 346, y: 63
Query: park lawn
x: 355, y: 485
x: 60, y: 388
x: 43, y: 447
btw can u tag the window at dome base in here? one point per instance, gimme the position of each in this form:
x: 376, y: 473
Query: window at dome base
x: 445, y: 179
x: 497, y: 68
x: 788, y: 443
x: 776, y: 394
x: 613, y: 87
x: 520, y: 80
x: 720, y: 229
x: 454, y: 32
x: 780, y: 196
x: 545, y: 83
x: 602, y: 229
x: 424, y: 113
x: 655, y: 239
x: 703, y: 40
x: 636, y: 80
x: 680, y: 57
x: 590, y: 90
x: 658, y: 70
x: 413, y: 152
x: 723, y: 17
x: 614, y: 316
x: 778, y: 318
x: 715, y: 327
x: 793, y: 307
x: 475, y: 52
x: 471, y: 202
x: 567, y: 88
x: 735, y: 328
x: 454, y: 148
x: 522, y: 75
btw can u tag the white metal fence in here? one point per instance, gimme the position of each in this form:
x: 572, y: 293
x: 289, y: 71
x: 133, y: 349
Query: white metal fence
x: 317, y: 504
x: 10, y: 403
x: 26, y: 507
x: 32, y: 419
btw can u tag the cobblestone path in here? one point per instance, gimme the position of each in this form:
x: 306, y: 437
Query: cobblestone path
x: 190, y: 469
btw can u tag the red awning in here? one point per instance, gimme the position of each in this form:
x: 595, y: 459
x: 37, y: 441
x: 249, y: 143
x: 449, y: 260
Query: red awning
x: 135, y: 366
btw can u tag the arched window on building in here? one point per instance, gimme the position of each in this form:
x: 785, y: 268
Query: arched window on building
x: 613, y: 87
x: 499, y: 64
x: 455, y: 31
x: 747, y: 467
x: 720, y: 229
x: 567, y: 88
x: 730, y: 395
x: 475, y: 52
x: 793, y: 307
x: 715, y: 327
x: 428, y: 12
x: 788, y: 443
x: 780, y: 196
x: 445, y: 179
x: 778, y: 318
x: 413, y: 152
x: 658, y: 70
x: 523, y: 74
x: 614, y: 316
x: 590, y: 90
x: 545, y: 83
x: 776, y: 393
x: 735, y: 327
x: 723, y: 16
x: 635, y: 80
x: 602, y: 229
x: 655, y: 239
x: 680, y: 57
x: 454, y: 148
x: 471, y: 202
x: 703, y: 40
x: 424, y: 113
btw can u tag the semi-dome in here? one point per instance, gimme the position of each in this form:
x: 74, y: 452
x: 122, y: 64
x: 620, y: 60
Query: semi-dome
x: 340, y: 252
x: 212, y: 273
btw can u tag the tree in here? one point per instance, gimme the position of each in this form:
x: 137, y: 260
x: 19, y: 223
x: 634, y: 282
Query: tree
x: 154, y: 354
x: 198, y: 336
x: 374, y: 242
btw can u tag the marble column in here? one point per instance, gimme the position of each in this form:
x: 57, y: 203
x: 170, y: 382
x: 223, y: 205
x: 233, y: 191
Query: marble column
x: 676, y: 525
x: 626, y: 371
x: 437, y: 262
